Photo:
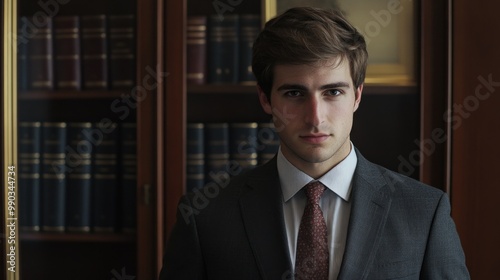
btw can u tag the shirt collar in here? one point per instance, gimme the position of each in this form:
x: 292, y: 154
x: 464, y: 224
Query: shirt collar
x: 338, y: 179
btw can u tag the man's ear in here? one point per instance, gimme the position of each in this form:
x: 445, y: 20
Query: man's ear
x: 264, y: 101
x: 357, y: 96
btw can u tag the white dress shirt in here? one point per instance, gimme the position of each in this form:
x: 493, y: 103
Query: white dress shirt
x: 334, y: 203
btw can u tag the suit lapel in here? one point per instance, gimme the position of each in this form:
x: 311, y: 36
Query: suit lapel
x: 371, y: 202
x: 262, y: 211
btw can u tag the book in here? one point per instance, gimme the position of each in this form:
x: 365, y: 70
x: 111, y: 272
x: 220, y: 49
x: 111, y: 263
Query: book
x: 29, y: 175
x: 53, y: 176
x: 122, y: 51
x: 78, y: 172
x: 249, y: 30
x: 94, y: 52
x: 223, y: 56
x: 39, y: 52
x: 196, y: 48
x: 268, y: 142
x: 195, y: 157
x: 128, y: 197
x: 243, y: 144
x: 105, y: 177
x: 67, y: 52
x: 22, y: 54
x: 216, y: 150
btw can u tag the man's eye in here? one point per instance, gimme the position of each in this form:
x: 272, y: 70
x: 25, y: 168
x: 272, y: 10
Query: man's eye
x: 334, y: 92
x: 293, y: 93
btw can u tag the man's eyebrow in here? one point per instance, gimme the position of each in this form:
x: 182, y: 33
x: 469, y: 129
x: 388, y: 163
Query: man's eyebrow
x: 304, y: 88
x: 335, y: 85
x: 292, y: 87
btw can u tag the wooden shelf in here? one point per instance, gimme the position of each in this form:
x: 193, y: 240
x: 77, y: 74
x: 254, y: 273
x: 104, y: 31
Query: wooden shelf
x: 78, y: 237
x: 222, y: 88
x: 71, y: 94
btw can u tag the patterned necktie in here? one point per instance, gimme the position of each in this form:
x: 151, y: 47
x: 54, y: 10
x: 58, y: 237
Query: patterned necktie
x: 312, y: 255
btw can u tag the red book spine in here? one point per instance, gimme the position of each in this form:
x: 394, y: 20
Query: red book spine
x: 122, y: 51
x: 94, y: 52
x: 67, y: 52
x: 196, y: 48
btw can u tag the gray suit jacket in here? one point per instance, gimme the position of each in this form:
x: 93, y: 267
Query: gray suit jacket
x: 399, y: 229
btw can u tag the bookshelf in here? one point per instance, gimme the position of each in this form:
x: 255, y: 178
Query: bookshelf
x: 161, y: 119
x: 107, y: 72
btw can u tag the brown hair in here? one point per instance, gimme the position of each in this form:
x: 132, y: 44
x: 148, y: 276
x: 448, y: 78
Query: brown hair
x: 305, y: 36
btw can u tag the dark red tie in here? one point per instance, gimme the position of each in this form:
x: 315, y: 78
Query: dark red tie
x: 312, y: 254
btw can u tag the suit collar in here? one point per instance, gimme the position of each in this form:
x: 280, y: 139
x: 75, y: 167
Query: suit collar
x: 261, y: 205
x: 262, y: 212
x: 337, y: 179
x: 371, y: 202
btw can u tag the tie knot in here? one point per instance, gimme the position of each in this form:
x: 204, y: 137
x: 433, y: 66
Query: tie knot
x: 314, y: 191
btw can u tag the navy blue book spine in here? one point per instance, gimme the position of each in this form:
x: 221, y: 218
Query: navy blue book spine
x: 223, y: 49
x: 29, y: 175
x: 216, y: 151
x: 78, y: 172
x: 105, y: 178
x: 54, y: 176
x: 128, y: 197
x: 249, y: 30
x: 195, y: 157
x: 268, y: 142
x: 244, y: 145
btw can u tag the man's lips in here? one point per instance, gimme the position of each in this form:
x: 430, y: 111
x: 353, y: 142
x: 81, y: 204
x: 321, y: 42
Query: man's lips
x: 315, y: 138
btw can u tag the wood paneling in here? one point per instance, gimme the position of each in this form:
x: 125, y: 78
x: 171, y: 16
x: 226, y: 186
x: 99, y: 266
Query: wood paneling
x: 146, y: 139
x: 476, y: 133
x: 175, y: 104
x: 433, y: 91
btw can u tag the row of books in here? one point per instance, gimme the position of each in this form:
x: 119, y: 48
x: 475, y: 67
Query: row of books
x: 227, y: 58
x: 94, y: 52
x: 77, y: 176
x: 216, y: 150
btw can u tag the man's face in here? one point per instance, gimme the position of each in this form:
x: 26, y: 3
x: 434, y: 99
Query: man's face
x: 312, y: 108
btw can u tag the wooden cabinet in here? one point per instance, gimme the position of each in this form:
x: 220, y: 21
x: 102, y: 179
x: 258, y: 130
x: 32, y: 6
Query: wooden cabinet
x: 390, y: 128
x: 93, y: 253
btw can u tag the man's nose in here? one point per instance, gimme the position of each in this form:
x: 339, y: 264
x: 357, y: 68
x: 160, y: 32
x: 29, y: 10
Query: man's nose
x: 314, y: 111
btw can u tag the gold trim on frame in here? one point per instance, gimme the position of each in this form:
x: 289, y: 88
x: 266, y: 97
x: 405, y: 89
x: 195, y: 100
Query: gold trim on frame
x: 402, y: 73
x: 9, y: 151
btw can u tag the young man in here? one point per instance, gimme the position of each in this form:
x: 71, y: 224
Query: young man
x: 318, y: 210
